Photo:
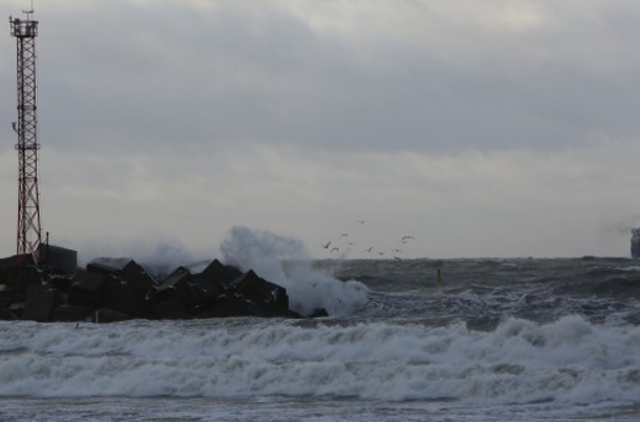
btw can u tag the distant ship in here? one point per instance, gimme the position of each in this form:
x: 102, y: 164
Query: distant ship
x: 635, y: 243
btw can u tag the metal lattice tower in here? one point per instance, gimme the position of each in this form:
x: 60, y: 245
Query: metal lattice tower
x: 29, y: 231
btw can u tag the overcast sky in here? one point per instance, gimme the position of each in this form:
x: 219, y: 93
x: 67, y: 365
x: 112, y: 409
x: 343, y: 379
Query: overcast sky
x: 482, y: 128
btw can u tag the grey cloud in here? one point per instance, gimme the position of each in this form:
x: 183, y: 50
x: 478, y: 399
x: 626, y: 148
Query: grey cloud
x: 166, y: 76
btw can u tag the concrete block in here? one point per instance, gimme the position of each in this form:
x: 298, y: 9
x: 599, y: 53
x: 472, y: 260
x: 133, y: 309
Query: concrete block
x: 223, y: 274
x: 124, y: 298
x: 71, y: 313
x: 177, y: 285
x: 86, y: 289
x: 170, y: 308
x: 39, y: 303
x: 270, y: 297
x: 105, y: 315
x: 203, y: 289
x: 134, y: 274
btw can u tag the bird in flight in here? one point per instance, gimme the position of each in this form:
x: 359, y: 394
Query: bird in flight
x: 405, y: 239
x: 361, y: 221
x: 334, y: 249
x: 327, y: 245
x: 369, y: 249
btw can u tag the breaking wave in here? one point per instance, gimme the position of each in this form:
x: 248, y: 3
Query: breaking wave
x: 309, y: 288
x: 569, y: 361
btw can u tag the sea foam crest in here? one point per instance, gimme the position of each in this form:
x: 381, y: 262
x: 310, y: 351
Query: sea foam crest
x: 569, y: 361
x: 308, y: 288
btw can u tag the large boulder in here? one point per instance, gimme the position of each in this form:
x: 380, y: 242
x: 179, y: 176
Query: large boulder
x: 122, y: 286
x: 39, y: 303
x: 184, y: 294
x: 125, y: 298
x: 72, y: 313
x: 170, y: 308
x: 119, y: 289
x: 222, y: 274
x: 269, y: 298
x: 176, y: 287
x: 86, y: 289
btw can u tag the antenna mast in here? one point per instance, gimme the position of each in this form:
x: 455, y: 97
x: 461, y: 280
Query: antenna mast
x: 29, y: 231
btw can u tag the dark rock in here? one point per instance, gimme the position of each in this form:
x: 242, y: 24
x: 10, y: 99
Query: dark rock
x: 17, y: 309
x: 170, y: 308
x: 7, y: 315
x: 9, y: 296
x: 71, y: 313
x: 229, y: 305
x: 222, y: 274
x: 104, y: 269
x: 20, y: 277
x: 61, y: 282
x: 104, y: 315
x: 39, y: 303
x: 86, y: 289
x: 11, y: 303
x: 125, y: 298
x: 114, y: 264
x: 271, y: 299
x: 120, y: 289
x: 204, y: 290
x: 177, y: 286
x: 137, y: 276
x: 126, y: 269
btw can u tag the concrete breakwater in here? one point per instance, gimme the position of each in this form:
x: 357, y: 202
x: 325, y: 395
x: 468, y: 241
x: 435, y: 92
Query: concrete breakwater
x: 107, y: 293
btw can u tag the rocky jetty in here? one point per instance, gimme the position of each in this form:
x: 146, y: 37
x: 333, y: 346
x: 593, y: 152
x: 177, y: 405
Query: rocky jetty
x: 120, y: 290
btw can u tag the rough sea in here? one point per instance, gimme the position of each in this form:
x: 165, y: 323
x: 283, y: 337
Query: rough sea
x: 492, y: 340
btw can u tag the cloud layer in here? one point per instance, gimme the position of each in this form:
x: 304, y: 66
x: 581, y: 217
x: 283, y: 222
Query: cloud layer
x: 485, y: 128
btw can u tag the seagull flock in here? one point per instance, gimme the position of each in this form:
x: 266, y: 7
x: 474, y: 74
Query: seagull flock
x: 343, y: 241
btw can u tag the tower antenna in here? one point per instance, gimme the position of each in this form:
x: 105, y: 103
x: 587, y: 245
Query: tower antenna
x: 29, y: 12
x: 29, y: 230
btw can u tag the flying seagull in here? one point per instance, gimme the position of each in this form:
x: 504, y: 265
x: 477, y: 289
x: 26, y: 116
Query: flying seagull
x: 327, y: 245
x: 334, y: 249
x: 14, y: 126
x: 405, y: 239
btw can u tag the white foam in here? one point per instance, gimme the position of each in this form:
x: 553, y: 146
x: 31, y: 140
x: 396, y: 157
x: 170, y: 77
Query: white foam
x: 569, y: 361
x: 308, y: 288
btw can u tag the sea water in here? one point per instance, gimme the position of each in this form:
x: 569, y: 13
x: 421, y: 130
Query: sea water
x: 488, y: 340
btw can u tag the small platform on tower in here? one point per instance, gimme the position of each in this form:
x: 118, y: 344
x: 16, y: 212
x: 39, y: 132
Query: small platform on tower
x: 24, y: 28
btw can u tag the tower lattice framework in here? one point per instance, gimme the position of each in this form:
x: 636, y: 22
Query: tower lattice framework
x: 29, y: 230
